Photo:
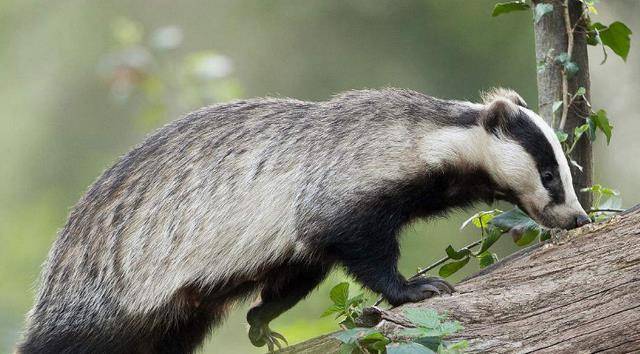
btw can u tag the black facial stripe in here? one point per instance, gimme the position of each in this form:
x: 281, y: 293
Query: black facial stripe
x: 533, y: 140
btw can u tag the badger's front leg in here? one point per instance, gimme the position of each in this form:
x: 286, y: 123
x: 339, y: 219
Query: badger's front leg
x: 375, y: 265
x: 283, y: 288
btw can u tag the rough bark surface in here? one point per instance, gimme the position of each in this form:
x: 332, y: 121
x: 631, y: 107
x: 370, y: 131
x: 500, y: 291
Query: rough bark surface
x: 551, y: 40
x: 578, y: 293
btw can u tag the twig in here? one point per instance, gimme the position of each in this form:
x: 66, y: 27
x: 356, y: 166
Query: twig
x: 434, y: 265
x: 606, y: 210
x: 565, y: 79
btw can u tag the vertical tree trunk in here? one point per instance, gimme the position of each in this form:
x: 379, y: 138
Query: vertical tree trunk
x: 551, y: 40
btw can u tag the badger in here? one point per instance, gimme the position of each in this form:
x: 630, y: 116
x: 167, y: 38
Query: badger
x: 267, y: 196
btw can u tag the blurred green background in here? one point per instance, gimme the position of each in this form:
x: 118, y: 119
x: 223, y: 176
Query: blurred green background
x: 81, y: 82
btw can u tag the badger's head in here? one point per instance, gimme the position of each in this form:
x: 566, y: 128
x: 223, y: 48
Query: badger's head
x: 527, y: 162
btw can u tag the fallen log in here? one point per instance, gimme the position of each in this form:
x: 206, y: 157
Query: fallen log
x: 579, y: 292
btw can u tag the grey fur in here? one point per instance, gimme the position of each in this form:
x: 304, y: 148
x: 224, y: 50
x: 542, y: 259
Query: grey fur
x: 221, y: 196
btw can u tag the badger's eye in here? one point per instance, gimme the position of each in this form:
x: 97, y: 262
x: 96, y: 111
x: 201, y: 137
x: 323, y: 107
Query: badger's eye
x: 547, y: 177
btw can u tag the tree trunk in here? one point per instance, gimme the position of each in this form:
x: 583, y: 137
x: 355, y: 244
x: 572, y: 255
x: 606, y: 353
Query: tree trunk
x: 578, y: 292
x: 551, y: 40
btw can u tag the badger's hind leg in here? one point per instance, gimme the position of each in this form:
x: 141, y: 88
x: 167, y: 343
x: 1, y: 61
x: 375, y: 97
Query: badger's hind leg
x: 193, y: 313
x: 283, y: 288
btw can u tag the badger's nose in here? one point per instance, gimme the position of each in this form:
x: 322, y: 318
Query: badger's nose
x: 582, y: 220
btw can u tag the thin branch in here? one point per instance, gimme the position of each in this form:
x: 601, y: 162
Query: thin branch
x: 606, y: 210
x: 565, y: 79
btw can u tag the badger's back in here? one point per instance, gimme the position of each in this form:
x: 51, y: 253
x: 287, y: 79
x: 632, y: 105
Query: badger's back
x: 216, y: 198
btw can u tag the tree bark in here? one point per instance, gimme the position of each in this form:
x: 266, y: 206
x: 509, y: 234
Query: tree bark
x: 550, y: 41
x: 577, y: 293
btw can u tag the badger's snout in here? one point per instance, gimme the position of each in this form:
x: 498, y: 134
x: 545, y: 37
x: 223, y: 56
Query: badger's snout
x: 582, y: 219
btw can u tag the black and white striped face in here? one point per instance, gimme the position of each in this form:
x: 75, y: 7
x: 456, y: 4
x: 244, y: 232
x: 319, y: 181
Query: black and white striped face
x: 529, y: 163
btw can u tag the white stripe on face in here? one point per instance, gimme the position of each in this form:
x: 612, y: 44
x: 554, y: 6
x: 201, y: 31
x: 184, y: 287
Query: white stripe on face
x: 563, y: 166
x: 562, y: 215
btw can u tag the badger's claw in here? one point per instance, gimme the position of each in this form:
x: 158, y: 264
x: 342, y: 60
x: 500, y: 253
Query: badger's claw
x: 261, y: 335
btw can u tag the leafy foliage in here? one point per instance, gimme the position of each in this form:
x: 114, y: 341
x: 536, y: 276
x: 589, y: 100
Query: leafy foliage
x: 616, y: 36
x: 426, y: 337
x: 540, y: 10
x: 506, y: 7
x: 345, y: 307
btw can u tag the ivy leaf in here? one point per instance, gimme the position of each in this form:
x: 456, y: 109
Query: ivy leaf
x: 428, y: 318
x: 579, y: 130
x: 601, y: 121
x: 481, y: 219
x: 339, y: 294
x: 353, y: 335
x: 332, y: 309
x: 348, y: 348
x: 581, y: 91
x: 570, y: 67
x: 540, y: 10
x: 556, y: 106
x: 545, y: 235
x: 492, y: 236
x: 524, y: 236
x: 562, y: 136
x: 506, y: 7
x: 616, y: 37
x: 487, y: 258
x: 457, y: 255
x: 450, y: 268
x: 408, y: 348
x: 512, y: 218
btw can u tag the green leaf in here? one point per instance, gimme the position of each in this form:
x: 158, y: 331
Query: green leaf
x: 481, y: 219
x: 492, y: 236
x: 352, y: 335
x: 523, y: 237
x: 512, y: 218
x: 452, y: 267
x: 408, y: 348
x: 356, y: 300
x: 450, y: 327
x: 457, y: 347
x: 457, y: 255
x: 591, y: 132
x: 428, y: 318
x: 601, y: 121
x: 332, y: 309
x: 506, y: 7
x: 545, y: 235
x: 562, y: 136
x: 579, y: 130
x: 540, y: 10
x: 570, y: 67
x: 339, y: 294
x: 430, y: 342
x: 347, y: 348
x: 420, y: 332
x: 617, y: 37
x: 487, y: 258
x: 581, y: 91
x: 556, y: 106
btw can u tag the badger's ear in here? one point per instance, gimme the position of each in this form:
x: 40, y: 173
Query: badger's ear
x: 497, y: 114
x: 500, y: 92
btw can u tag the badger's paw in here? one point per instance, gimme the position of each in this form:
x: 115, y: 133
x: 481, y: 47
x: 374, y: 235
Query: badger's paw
x: 262, y: 335
x: 420, y: 288
x: 435, y: 285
